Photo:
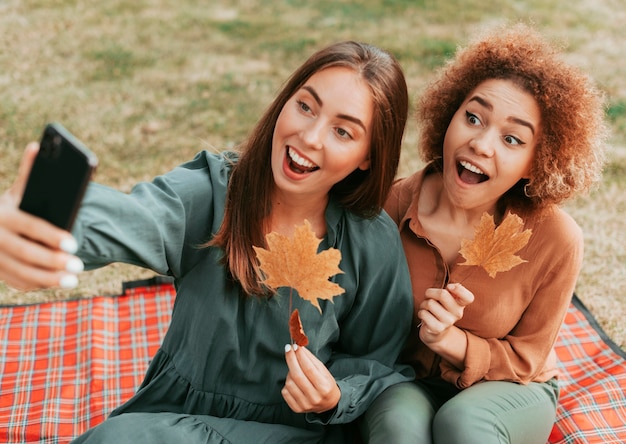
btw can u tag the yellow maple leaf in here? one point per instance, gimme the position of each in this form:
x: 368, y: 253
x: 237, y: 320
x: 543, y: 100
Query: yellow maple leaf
x: 294, y: 262
x: 494, y: 248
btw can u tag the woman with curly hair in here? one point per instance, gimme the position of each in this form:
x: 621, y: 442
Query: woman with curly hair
x: 507, y: 127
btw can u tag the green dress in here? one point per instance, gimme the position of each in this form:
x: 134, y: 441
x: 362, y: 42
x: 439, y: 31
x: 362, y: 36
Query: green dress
x: 218, y: 375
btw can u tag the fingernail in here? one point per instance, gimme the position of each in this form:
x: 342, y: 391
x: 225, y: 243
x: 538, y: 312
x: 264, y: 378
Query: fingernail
x: 74, y: 265
x: 69, y: 245
x: 68, y: 281
x: 295, y: 347
x: 287, y: 348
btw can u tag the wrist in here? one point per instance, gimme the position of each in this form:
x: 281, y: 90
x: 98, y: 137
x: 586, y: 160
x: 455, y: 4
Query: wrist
x: 451, y: 345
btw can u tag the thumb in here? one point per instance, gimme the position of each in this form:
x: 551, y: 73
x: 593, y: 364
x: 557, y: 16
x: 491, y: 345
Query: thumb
x: 462, y: 295
x: 26, y: 165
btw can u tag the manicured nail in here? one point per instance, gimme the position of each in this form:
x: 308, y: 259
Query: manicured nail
x: 287, y: 348
x: 68, y: 281
x: 295, y: 347
x: 69, y: 245
x: 74, y: 265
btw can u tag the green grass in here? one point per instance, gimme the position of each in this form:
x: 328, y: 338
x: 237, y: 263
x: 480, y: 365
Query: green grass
x: 148, y: 83
x: 616, y: 114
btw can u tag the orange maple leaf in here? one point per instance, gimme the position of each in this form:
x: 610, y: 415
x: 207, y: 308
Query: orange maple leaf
x: 294, y: 262
x: 494, y: 248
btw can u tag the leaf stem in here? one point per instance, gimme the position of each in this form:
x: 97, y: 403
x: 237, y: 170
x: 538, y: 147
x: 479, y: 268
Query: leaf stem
x: 290, y: 311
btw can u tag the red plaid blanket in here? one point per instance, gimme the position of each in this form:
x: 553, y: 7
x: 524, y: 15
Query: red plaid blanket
x: 592, y: 406
x: 65, y: 365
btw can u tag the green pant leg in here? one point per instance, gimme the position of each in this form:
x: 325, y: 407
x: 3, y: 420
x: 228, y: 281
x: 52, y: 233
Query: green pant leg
x: 433, y: 411
x: 498, y: 412
x: 401, y: 414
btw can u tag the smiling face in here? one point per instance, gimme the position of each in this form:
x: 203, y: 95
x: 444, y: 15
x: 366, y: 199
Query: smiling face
x: 322, y: 134
x: 490, y: 144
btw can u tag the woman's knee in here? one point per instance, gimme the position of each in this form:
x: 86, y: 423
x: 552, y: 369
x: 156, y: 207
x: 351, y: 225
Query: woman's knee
x: 401, y: 414
x: 496, y: 412
x: 459, y: 421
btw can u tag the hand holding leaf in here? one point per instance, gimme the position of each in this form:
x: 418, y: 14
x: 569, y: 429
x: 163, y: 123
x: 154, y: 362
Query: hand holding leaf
x: 494, y: 248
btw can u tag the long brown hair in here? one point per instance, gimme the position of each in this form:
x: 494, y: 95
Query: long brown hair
x: 362, y: 192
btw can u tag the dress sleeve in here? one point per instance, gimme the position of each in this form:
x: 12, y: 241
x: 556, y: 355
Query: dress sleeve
x: 158, y: 225
x: 375, y: 327
x: 523, y: 354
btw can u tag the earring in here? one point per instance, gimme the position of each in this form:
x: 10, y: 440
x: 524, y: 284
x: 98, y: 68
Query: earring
x: 526, y: 193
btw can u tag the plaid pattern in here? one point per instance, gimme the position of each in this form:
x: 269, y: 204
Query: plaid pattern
x: 593, y: 383
x: 65, y: 365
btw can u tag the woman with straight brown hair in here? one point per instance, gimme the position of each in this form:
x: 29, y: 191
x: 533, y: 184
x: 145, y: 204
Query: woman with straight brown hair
x: 326, y: 151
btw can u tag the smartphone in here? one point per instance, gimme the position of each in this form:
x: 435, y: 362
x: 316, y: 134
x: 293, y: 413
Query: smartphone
x: 59, y: 177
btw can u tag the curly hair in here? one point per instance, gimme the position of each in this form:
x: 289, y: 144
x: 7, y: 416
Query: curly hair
x: 570, y: 152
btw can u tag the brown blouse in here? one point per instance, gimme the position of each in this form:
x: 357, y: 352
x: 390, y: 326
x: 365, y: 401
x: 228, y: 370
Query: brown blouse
x: 513, y: 323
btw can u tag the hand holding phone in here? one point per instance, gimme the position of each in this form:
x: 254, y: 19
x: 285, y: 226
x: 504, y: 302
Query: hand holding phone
x: 59, y: 177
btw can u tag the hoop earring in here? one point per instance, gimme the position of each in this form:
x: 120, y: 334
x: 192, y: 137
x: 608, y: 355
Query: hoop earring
x: 526, y: 193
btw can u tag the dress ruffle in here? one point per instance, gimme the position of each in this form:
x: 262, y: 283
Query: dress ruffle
x: 165, y: 389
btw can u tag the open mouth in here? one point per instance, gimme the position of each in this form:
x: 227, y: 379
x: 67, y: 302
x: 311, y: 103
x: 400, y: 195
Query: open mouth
x: 470, y: 173
x: 299, y: 164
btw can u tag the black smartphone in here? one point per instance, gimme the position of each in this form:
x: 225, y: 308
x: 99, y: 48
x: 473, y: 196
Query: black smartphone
x: 59, y: 177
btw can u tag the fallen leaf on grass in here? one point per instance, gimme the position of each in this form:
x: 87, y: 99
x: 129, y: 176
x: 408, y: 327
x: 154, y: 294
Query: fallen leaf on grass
x: 494, y: 248
x: 296, y: 331
x: 294, y: 262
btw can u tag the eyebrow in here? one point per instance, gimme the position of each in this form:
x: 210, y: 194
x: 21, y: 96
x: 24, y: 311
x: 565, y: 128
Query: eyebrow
x: 341, y: 116
x: 517, y: 120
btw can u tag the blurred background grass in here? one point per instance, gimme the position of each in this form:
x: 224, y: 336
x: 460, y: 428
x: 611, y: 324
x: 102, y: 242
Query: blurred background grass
x: 146, y: 84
